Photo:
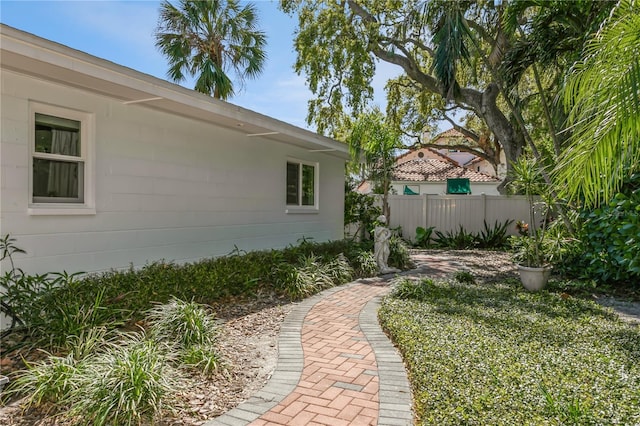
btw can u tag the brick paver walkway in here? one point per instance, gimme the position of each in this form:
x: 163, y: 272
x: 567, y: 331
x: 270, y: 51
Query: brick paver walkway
x: 335, y: 367
x: 339, y: 382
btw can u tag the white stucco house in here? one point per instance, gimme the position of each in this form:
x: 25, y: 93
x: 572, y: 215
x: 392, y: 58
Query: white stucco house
x: 427, y: 171
x: 104, y: 167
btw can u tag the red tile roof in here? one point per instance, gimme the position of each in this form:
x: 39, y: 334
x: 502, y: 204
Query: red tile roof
x: 451, y: 133
x: 434, y: 170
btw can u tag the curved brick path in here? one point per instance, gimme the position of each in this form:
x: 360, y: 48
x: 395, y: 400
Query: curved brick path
x: 335, y: 366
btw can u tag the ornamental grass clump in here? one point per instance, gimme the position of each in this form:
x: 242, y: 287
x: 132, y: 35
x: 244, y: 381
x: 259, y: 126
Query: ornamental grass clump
x: 186, y: 323
x: 126, y: 385
x: 189, y: 330
x: 50, y: 381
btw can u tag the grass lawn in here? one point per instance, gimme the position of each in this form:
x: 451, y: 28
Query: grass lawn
x: 494, y: 354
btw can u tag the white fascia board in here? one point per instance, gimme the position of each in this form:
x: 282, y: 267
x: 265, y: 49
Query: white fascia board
x: 19, y: 47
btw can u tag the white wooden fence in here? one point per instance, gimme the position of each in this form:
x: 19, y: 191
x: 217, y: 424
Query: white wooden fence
x: 449, y: 212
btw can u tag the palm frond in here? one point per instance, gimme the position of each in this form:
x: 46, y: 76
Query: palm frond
x: 603, y: 99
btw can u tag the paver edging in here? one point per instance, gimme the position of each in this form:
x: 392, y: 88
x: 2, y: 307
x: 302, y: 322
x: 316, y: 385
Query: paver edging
x: 394, y: 390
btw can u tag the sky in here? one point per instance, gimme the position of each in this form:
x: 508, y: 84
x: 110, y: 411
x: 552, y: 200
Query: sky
x: 122, y: 32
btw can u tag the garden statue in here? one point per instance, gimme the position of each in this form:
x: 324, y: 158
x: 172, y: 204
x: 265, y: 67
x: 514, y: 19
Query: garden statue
x: 382, y: 234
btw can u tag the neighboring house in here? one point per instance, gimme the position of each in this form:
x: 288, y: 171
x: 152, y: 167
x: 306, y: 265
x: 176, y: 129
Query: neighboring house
x: 426, y: 171
x: 105, y: 167
x: 428, y: 174
x: 465, y: 158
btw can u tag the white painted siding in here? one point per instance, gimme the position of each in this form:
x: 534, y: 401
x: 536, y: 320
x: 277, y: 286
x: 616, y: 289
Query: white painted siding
x: 166, y: 187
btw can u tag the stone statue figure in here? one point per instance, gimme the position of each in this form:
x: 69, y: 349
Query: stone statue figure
x: 382, y: 234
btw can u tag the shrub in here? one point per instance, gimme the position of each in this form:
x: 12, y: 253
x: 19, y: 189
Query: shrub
x: 491, y: 237
x: 399, y: 253
x: 56, y: 306
x: 53, y: 379
x: 359, y: 210
x: 305, y: 279
x: 464, y: 277
x: 49, y: 381
x: 125, y: 385
x: 339, y: 270
x: 203, y: 358
x: 459, y: 240
x: 494, y: 237
x: 366, y: 265
x: 186, y: 323
x: 423, y: 236
x: 411, y: 289
x: 608, y: 240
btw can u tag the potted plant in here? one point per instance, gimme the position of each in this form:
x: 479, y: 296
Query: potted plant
x: 531, y: 249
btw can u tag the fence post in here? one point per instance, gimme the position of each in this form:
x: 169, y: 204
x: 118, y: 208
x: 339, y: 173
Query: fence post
x: 484, y: 207
x: 425, y: 204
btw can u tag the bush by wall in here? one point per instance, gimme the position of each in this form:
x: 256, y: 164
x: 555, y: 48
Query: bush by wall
x: 607, y: 248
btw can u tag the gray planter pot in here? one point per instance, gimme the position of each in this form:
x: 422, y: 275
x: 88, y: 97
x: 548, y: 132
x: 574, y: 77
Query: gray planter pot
x: 532, y: 278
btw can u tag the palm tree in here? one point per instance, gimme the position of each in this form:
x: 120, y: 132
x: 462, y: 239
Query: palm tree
x: 603, y: 98
x: 207, y: 40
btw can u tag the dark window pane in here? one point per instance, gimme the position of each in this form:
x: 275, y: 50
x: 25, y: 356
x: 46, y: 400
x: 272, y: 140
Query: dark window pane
x: 57, y: 135
x: 293, y: 177
x: 57, y: 181
x: 308, y: 185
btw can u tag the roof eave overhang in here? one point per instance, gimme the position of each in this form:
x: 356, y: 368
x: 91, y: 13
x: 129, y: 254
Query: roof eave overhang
x: 28, y: 54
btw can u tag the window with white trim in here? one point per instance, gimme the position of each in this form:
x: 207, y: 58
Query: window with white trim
x: 60, y: 163
x: 302, y: 183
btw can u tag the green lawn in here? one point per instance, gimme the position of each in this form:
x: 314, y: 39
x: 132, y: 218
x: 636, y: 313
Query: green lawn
x: 494, y: 354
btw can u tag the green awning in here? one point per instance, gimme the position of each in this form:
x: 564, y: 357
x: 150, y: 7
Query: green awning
x: 409, y: 191
x: 458, y: 186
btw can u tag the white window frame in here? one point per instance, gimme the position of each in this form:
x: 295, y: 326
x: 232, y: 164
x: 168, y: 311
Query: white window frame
x: 87, y: 157
x: 299, y: 208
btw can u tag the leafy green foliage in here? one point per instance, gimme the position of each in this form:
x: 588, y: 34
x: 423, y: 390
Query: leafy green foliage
x: 411, y: 289
x: 607, y: 248
x: 423, y: 236
x: 494, y: 237
x: 460, y: 239
x: 125, y: 385
x: 49, y: 381
x: 58, y: 306
x: 602, y: 97
x: 202, y: 358
x: 495, y: 354
x: 373, y: 145
x: 187, y: 323
x: 359, y: 210
x: 464, y: 277
x: 491, y: 237
x: 365, y: 264
x: 399, y: 253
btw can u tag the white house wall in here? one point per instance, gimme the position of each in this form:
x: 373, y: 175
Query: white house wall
x: 166, y: 187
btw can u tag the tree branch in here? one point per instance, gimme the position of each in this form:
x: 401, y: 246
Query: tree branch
x: 468, y: 133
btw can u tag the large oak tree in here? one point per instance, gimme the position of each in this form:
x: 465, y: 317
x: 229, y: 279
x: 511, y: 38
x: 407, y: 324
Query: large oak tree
x: 502, y: 65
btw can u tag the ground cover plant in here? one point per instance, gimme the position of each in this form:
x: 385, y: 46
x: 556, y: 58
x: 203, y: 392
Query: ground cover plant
x: 492, y: 353
x: 117, y: 347
x: 57, y: 305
